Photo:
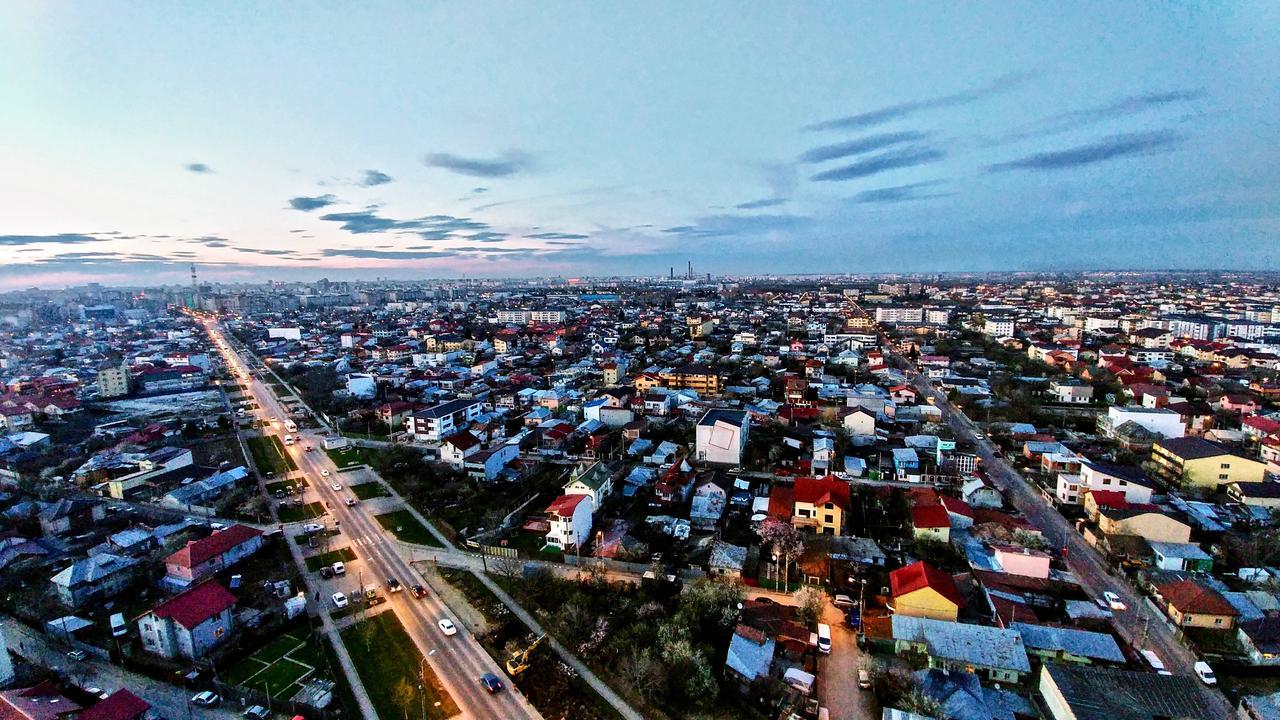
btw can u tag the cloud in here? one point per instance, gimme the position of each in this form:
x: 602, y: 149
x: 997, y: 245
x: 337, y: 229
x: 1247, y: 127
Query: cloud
x: 372, y: 178
x: 1123, y: 107
x: 212, y: 241
x: 1109, y: 148
x: 556, y: 236
x: 891, y: 160
x: 307, y: 204
x: 509, y: 163
x: 730, y: 225
x: 484, y: 237
x: 860, y: 146
x: 198, y: 168
x: 430, y: 227
x: 762, y: 203
x: 898, y: 193
x: 264, y: 251
x: 898, y: 111
x: 388, y: 254
x: 479, y: 190
x: 60, y: 239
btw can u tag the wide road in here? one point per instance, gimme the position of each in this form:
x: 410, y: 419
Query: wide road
x: 458, y: 661
x: 1140, y: 625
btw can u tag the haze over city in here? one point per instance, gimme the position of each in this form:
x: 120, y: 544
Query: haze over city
x: 264, y: 141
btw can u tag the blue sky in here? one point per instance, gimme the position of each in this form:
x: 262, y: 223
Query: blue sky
x: 501, y: 139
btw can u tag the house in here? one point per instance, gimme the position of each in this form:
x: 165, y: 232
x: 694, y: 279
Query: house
x: 204, y: 492
x: 1073, y: 692
x: 190, y: 624
x: 1060, y: 644
x: 994, y: 654
x: 816, y: 504
x: 931, y: 522
x: 1094, y: 475
x: 709, y: 500
x: 921, y: 590
x: 38, y: 702
x: 96, y: 578
x: 1144, y: 521
x: 1071, y: 392
x: 200, y: 559
x: 860, y: 422
x: 961, y: 696
x: 438, y: 422
x: 1018, y: 560
x: 750, y: 656
x: 1196, y: 462
x: 70, y: 515
x: 456, y: 448
x: 1189, y: 603
x: 570, y: 519
x: 726, y: 560
x: 1263, y: 494
x: 977, y: 493
x: 596, y: 482
x: 1181, y: 557
x: 721, y: 437
x: 119, y: 705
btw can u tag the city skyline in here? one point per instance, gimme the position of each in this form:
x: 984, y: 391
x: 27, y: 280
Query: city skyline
x: 410, y: 142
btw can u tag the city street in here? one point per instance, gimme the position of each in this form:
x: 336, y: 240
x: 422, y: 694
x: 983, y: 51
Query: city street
x: 458, y: 661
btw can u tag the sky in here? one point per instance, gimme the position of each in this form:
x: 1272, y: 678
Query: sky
x: 450, y: 140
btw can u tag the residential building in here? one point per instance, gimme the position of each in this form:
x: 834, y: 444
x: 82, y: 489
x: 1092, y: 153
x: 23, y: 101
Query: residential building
x: 438, y: 422
x: 190, y: 624
x: 995, y: 654
x: 113, y: 381
x: 1200, y: 463
x: 1100, y: 476
x: 721, y: 437
x: 921, y: 590
x: 570, y: 520
x: 1190, y: 603
x: 1144, y: 521
x: 201, y: 559
x: 96, y: 578
x: 1069, y: 645
x: 816, y: 504
x: 1072, y: 692
x: 596, y: 482
x: 931, y: 522
x: 1161, y: 422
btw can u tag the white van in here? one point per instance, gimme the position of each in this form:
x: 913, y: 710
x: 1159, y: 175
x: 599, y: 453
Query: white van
x: 1154, y: 661
x: 118, y: 626
x: 824, y: 638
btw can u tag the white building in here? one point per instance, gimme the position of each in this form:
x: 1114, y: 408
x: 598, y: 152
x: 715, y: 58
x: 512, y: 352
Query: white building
x: 899, y: 314
x: 1132, y: 482
x: 570, y: 519
x: 999, y: 327
x: 722, y: 436
x: 440, y: 421
x: 1162, y: 421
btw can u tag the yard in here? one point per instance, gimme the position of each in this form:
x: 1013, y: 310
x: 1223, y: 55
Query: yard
x: 270, y: 455
x: 406, y: 527
x: 368, y: 490
x: 286, y: 485
x: 389, y: 663
x: 350, y: 456
x: 297, y: 513
x: 345, y: 554
x: 275, y: 669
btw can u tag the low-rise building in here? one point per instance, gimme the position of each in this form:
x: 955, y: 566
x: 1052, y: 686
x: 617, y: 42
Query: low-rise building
x: 190, y: 624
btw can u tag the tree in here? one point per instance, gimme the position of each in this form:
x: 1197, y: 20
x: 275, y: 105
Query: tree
x: 810, y: 606
x: 404, y: 695
x: 783, y: 540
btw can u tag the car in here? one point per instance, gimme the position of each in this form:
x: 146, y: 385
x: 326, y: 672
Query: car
x: 340, y: 600
x: 1113, y: 601
x: 351, y: 501
x: 77, y: 655
x: 339, y: 568
x: 447, y: 627
x: 324, y: 473
x: 864, y: 679
x: 335, y: 485
x: 824, y: 638
x: 418, y: 591
x: 312, y: 528
x: 393, y: 585
x: 326, y: 572
x: 308, y: 448
x: 843, y: 601
x: 206, y: 698
x: 491, y: 683
x: 257, y: 712
x: 1205, y: 673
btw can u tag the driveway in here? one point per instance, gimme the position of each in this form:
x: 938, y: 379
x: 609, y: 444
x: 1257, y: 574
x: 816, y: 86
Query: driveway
x: 838, y: 673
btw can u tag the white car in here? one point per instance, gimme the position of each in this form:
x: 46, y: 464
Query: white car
x: 208, y: 698
x: 447, y: 627
x: 1205, y: 673
x: 335, y: 485
x: 324, y: 473
x: 1113, y: 601
x: 340, y: 600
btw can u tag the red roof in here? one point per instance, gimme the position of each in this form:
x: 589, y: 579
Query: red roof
x: 1109, y: 498
x: 198, y: 552
x: 565, y: 505
x: 919, y: 575
x: 820, y: 491
x: 1189, y: 596
x: 956, y: 506
x: 781, y: 502
x: 120, y: 705
x: 196, y: 605
x: 930, y: 516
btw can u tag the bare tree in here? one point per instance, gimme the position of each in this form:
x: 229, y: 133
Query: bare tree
x: 404, y: 695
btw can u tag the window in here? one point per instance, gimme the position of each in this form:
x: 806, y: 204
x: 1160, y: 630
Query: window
x: 829, y: 519
x: 1217, y: 621
x: 1225, y: 466
x: 1224, y: 476
x: 1106, y: 481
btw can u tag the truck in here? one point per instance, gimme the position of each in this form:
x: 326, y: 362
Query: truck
x: 291, y: 426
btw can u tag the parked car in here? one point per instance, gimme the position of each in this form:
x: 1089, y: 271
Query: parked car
x: 843, y: 601
x: 206, y: 698
x: 1205, y: 673
x: 312, y: 528
x: 491, y: 683
x: 340, y: 600
x: 77, y: 655
x: 824, y: 638
x: 447, y: 627
x: 864, y: 679
x: 1113, y: 601
x: 339, y: 568
x: 326, y: 572
x: 257, y: 712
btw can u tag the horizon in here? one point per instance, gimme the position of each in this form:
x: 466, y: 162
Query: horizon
x: 575, y: 140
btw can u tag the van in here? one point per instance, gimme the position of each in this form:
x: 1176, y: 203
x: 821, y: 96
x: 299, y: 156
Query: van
x: 1154, y: 661
x: 824, y: 638
x: 118, y: 625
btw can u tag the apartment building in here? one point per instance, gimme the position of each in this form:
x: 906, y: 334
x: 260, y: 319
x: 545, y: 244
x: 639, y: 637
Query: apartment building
x: 440, y: 421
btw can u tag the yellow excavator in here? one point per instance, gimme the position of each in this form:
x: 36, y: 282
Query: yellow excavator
x: 519, y: 661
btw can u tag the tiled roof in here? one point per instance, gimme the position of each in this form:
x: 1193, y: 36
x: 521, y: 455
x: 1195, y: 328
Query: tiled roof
x: 120, y: 705
x: 196, y: 605
x: 564, y: 505
x: 198, y: 552
x: 920, y: 575
x: 1189, y: 596
x: 820, y: 491
x: 930, y: 516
